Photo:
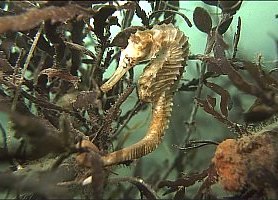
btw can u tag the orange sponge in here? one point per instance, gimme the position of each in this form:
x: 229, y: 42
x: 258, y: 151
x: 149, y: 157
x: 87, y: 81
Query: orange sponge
x: 237, y: 161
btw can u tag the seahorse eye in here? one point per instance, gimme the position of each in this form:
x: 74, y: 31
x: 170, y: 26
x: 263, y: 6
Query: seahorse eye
x: 125, y: 61
x: 129, y: 61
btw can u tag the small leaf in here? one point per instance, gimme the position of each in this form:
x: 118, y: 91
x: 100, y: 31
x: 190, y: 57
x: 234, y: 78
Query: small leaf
x: 226, y: 6
x: 113, y: 20
x: 121, y: 39
x: 263, y: 79
x: 224, y: 24
x: 185, y: 181
x: 202, y: 20
x: 228, y: 69
x: 225, y: 103
x: 236, y: 38
x: 207, y: 106
x: 62, y: 74
x: 142, y: 15
x: 100, y: 20
x: 238, y: 81
x: 81, y: 48
x: 230, y: 6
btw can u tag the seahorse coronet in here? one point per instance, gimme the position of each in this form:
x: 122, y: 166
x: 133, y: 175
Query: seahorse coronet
x: 167, y: 49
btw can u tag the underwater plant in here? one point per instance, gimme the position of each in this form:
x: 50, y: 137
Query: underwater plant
x: 89, y: 89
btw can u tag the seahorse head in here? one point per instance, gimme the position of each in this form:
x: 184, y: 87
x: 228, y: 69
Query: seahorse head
x: 141, y: 46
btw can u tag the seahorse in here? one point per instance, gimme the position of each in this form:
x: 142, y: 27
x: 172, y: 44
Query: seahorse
x: 166, y: 48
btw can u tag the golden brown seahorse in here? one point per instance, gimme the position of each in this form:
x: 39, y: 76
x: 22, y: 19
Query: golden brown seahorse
x: 167, y: 49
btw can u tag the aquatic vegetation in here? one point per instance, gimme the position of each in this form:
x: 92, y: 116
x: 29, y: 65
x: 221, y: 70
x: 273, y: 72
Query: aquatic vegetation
x: 68, y: 131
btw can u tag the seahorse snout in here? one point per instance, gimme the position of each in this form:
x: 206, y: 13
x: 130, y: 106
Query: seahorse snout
x: 124, y: 65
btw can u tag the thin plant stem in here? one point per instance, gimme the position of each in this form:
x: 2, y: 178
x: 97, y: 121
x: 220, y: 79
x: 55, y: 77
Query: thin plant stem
x: 26, y: 64
x: 4, y: 134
